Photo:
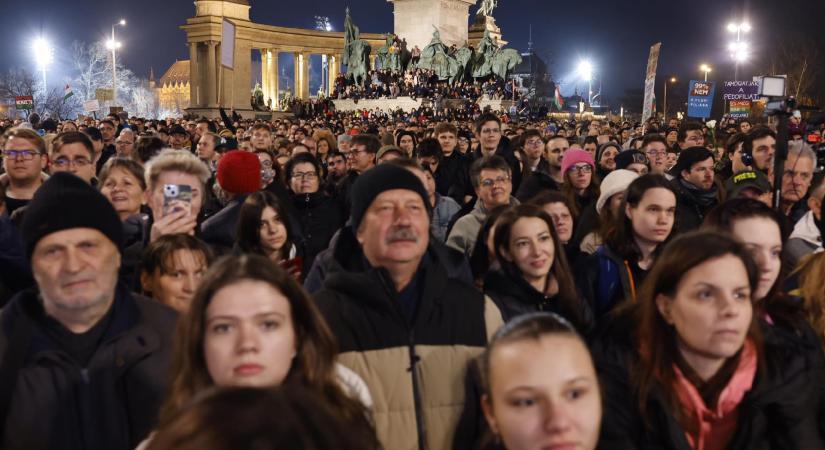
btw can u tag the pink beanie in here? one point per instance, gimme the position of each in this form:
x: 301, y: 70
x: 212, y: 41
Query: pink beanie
x: 575, y: 156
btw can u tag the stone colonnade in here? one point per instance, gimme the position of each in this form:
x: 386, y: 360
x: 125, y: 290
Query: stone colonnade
x: 213, y: 85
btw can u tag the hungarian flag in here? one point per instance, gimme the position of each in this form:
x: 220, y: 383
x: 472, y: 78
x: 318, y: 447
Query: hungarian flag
x: 67, y: 92
x: 558, y: 100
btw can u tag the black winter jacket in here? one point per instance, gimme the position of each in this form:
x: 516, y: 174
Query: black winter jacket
x: 112, y: 403
x: 318, y: 217
x: 514, y: 297
x: 779, y: 412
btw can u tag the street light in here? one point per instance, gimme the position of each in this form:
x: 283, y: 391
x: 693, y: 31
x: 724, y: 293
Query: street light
x: 585, y: 70
x: 112, y: 44
x: 739, y: 50
x: 672, y: 80
x: 707, y: 69
x: 43, y: 56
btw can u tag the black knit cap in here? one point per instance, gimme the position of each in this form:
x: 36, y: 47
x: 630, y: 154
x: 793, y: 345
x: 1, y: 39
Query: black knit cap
x: 373, y: 182
x: 687, y: 158
x: 64, y: 202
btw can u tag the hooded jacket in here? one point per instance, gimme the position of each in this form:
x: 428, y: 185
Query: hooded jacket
x: 414, y: 368
x: 111, y: 403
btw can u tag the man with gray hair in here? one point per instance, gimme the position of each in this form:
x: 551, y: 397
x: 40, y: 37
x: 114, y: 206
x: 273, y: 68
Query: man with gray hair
x: 796, y: 180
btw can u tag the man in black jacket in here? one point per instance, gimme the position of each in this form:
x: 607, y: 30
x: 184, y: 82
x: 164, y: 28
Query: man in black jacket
x: 83, y: 363
x: 694, y: 183
x: 401, y: 322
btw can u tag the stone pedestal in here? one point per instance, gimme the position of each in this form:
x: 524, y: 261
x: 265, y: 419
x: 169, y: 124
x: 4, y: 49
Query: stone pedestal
x: 415, y: 19
x: 482, y: 24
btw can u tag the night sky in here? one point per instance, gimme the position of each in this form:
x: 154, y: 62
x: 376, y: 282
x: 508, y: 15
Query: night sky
x: 615, y: 35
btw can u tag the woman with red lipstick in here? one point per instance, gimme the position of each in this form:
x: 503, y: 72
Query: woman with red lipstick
x: 646, y: 221
x: 692, y: 351
x: 251, y: 324
x: 534, y: 275
x: 539, y: 386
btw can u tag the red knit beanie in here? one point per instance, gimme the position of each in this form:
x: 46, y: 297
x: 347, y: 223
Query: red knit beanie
x: 239, y: 172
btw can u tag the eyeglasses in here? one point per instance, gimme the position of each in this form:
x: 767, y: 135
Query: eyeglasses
x: 581, y: 169
x: 64, y: 162
x: 656, y: 153
x: 25, y: 155
x: 354, y: 152
x: 534, y: 142
x: 304, y: 176
x: 490, y: 182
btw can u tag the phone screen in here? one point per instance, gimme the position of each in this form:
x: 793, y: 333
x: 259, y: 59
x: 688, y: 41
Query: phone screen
x: 177, y: 197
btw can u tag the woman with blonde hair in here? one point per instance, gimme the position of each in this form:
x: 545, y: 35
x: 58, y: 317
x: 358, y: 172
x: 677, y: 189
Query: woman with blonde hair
x: 811, y: 272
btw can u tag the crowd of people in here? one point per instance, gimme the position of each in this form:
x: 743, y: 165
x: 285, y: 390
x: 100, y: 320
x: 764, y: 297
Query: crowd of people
x: 419, y: 83
x: 409, y: 281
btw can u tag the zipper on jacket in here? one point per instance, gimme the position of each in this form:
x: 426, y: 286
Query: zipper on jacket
x: 419, y: 416
x: 84, y: 374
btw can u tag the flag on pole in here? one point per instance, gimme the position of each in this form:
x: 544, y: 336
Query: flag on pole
x: 558, y: 100
x: 67, y: 92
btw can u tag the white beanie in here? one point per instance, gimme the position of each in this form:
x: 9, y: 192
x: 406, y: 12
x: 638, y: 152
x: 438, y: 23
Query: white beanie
x: 615, y: 182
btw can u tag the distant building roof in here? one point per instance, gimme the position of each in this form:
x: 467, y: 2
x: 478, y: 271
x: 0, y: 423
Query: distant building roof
x: 178, y: 73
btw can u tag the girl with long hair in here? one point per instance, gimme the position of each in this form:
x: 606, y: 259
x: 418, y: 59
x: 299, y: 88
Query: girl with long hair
x: 251, y: 324
x: 534, y: 274
x: 264, y: 228
x: 616, y: 271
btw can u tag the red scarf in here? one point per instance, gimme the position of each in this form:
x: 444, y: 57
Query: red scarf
x: 717, y: 426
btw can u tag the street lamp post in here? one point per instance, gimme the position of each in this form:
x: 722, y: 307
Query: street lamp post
x: 664, y: 107
x: 739, y: 49
x: 113, y: 45
x: 586, y: 72
x: 707, y: 69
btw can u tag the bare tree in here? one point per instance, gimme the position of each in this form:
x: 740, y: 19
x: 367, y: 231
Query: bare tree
x: 800, y: 59
x: 90, y: 63
x: 17, y: 83
x: 93, y: 67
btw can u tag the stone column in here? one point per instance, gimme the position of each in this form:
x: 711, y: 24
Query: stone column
x: 211, y: 88
x: 270, y: 76
x: 332, y: 63
x: 264, y: 71
x: 194, y: 76
x: 302, y: 75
